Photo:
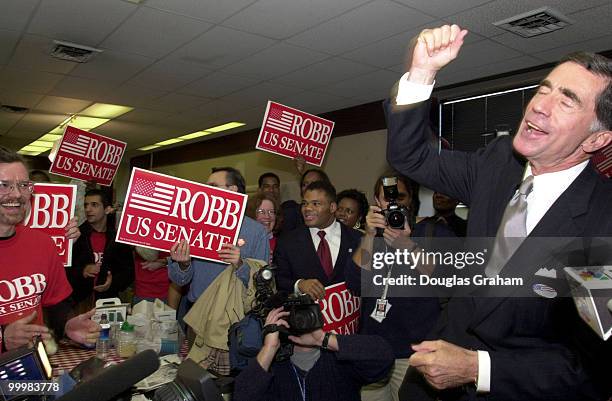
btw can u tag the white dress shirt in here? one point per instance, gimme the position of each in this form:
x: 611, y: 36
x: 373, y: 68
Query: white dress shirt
x: 333, y: 235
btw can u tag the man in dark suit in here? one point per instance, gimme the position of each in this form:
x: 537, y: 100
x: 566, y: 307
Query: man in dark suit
x: 313, y: 257
x: 497, y: 345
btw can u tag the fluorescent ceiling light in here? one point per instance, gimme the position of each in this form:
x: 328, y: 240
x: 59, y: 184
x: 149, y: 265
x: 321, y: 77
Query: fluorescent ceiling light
x: 87, y: 123
x: 28, y: 153
x: 195, y: 135
x: 32, y: 148
x: 224, y: 127
x: 42, y: 144
x: 49, y: 137
x: 169, y: 142
x: 149, y: 147
x: 105, y: 110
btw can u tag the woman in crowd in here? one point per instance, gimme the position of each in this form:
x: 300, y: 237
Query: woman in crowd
x: 265, y: 208
x: 352, y: 209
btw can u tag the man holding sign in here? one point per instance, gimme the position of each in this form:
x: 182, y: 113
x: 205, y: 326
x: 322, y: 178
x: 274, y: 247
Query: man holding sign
x: 200, y: 273
x: 31, y: 280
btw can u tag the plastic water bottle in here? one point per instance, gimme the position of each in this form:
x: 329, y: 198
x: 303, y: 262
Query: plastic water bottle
x: 103, y: 344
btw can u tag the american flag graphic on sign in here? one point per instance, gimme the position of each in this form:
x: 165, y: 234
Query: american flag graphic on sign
x: 154, y: 197
x: 75, y: 144
x: 603, y: 161
x: 280, y: 120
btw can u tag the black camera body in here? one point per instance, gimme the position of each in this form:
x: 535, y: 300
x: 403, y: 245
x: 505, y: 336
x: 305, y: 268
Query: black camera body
x: 304, y: 314
x: 396, y: 215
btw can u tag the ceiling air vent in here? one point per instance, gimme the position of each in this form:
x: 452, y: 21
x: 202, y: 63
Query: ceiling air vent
x: 534, y: 23
x: 72, y: 51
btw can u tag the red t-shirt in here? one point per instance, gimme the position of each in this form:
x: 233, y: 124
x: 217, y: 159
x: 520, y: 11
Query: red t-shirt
x: 98, y: 242
x: 150, y: 284
x: 31, y: 275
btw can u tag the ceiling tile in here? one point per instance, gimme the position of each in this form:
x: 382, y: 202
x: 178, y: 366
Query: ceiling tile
x: 274, y: 61
x: 216, y: 85
x: 220, y: 47
x: 366, y: 24
x: 131, y: 95
x: 144, y: 116
x: 80, y: 88
x: 16, y: 13
x: 174, y: 102
x: 312, y: 102
x: 34, y: 51
x: 39, y: 122
x: 260, y: 94
x: 20, y: 98
x: 169, y: 74
x: 85, y: 22
x: 28, y: 80
x: 480, y: 53
x: 7, y: 120
x: 442, y: 8
x: 369, y: 87
x: 136, y: 134
x: 8, y: 41
x: 324, y: 73
x: 281, y: 19
x: 153, y: 33
x: 594, y: 45
x: 480, y: 19
x: 587, y: 25
x: 58, y: 104
x: 485, y: 70
x: 218, y: 108
x: 15, y: 143
x: 209, y: 10
x: 112, y: 67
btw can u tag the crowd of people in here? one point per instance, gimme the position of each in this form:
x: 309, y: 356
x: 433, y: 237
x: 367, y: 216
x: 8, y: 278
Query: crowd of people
x: 407, y: 348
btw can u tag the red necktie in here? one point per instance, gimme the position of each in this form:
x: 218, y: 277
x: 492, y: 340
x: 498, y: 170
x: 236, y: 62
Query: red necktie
x: 325, y: 255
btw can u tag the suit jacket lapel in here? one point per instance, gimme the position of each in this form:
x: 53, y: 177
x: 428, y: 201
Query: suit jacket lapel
x: 565, y: 218
x: 311, y: 259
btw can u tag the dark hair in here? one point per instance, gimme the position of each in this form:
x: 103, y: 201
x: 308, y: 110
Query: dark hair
x: 361, y: 200
x: 8, y: 156
x: 233, y: 177
x: 43, y: 177
x: 324, y: 186
x: 322, y: 175
x: 267, y: 175
x: 412, y: 188
x: 602, y: 66
x: 103, y: 194
x: 255, y: 202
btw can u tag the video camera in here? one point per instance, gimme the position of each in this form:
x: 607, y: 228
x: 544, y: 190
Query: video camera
x: 304, y: 314
x: 396, y: 215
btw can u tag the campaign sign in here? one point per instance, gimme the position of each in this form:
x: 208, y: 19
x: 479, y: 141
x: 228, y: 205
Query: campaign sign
x: 87, y: 156
x: 51, y: 208
x: 290, y: 132
x: 603, y: 161
x: 340, y: 309
x: 161, y: 210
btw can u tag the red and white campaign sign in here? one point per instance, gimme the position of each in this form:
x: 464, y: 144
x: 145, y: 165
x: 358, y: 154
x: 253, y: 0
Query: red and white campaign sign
x: 340, y: 309
x: 603, y: 161
x: 161, y: 210
x: 290, y: 132
x: 51, y: 208
x: 87, y: 156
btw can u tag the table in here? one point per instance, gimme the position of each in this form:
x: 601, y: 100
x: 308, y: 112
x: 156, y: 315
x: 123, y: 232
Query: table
x: 70, y: 355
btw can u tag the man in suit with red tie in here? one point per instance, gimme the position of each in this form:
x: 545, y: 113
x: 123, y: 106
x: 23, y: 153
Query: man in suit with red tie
x: 311, y: 258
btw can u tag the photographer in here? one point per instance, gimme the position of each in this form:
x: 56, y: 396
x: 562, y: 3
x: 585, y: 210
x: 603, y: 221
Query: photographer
x: 399, y: 320
x: 323, y: 366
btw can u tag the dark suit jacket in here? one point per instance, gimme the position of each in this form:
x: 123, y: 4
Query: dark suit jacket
x: 539, y: 348
x: 296, y: 257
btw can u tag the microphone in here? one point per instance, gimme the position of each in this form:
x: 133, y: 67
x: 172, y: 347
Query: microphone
x: 116, y: 379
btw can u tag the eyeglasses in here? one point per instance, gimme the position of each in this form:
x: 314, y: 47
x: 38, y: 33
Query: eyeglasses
x: 269, y: 212
x: 23, y: 187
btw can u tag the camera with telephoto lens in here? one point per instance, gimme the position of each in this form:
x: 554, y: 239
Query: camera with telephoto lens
x: 396, y: 215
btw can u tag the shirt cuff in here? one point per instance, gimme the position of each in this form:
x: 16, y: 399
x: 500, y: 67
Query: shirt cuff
x: 410, y: 92
x: 484, y: 372
x: 296, y: 289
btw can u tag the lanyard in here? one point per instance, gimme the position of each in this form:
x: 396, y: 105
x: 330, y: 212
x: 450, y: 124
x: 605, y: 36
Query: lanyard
x: 384, y: 294
x: 301, y: 382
